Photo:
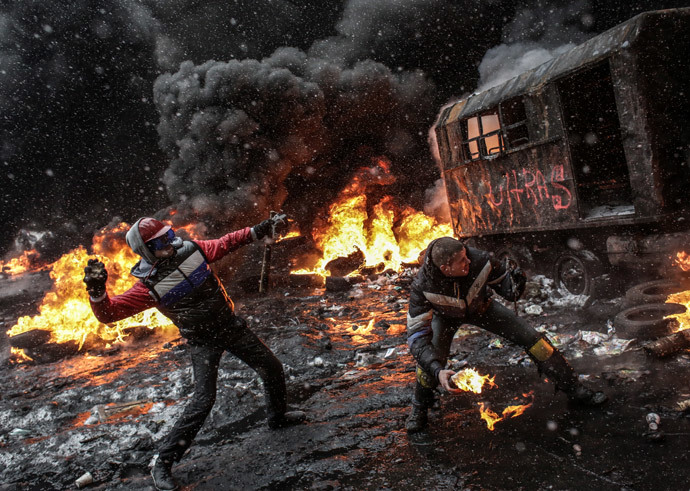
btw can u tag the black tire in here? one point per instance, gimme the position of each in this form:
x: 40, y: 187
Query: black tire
x: 574, y: 271
x: 51, y: 352
x: 30, y: 339
x: 647, y: 321
x: 652, y: 292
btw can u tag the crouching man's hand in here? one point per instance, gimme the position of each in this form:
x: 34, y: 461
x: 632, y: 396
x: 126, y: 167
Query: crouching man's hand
x: 95, y: 276
x: 444, y: 379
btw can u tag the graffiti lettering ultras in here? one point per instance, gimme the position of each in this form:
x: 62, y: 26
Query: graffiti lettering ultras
x: 525, y: 186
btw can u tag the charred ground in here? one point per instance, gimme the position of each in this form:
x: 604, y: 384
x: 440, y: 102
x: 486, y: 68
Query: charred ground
x: 354, y: 380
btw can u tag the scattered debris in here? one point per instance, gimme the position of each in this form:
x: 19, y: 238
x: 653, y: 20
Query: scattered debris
x: 534, y: 309
x: 683, y: 405
x: 105, y: 411
x: 84, y: 480
x: 669, y: 345
x: 495, y: 344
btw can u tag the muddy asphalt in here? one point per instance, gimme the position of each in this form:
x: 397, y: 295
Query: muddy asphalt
x: 355, y: 384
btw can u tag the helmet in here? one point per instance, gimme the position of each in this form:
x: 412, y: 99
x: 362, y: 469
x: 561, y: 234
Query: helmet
x: 150, y: 228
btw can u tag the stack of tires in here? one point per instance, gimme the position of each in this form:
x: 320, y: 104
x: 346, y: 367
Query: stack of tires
x: 644, y: 317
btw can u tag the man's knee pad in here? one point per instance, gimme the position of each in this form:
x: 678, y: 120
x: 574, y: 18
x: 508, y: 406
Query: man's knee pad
x: 541, y: 350
x: 424, y: 379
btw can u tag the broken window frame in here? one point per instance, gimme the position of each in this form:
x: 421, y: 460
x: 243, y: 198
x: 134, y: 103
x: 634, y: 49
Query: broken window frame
x: 504, y: 143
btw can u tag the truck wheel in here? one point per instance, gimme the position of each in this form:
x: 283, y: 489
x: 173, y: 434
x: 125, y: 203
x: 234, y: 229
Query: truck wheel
x: 647, y: 321
x: 519, y: 257
x: 574, y: 271
x: 652, y: 292
x: 30, y: 339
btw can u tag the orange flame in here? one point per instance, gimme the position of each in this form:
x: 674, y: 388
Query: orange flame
x: 683, y: 319
x: 387, y: 235
x: 19, y: 265
x: 514, y: 411
x: 470, y: 380
x: 65, y: 309
x: 683, y: 261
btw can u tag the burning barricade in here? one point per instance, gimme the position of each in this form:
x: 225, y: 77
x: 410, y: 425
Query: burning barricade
x: 65, y: 324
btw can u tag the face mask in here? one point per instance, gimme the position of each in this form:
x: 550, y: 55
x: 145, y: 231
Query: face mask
x: 161, y: 242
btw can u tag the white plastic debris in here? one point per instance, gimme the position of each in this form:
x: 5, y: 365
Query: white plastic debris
x: 317, y: 362
x: 653, y: 420
x: 84, y: 480
x: 593, y: 337
x: 390, y: 353
x: 534, y: 309
x: 20, y: 433
x: 612, y: 347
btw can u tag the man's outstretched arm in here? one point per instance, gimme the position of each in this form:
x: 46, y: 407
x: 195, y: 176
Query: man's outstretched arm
x: 217, y: 248
x: 106, y: 309
x: 133, y: 301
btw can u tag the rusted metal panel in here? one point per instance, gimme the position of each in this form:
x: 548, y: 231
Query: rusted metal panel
x: 636, y: 132
x: 543, y: 115
x: 519, y: 191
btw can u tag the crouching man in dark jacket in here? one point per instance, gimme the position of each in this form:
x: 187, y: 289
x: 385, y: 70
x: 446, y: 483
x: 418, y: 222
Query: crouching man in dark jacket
x: 175, y: 277
x: 452, y: 288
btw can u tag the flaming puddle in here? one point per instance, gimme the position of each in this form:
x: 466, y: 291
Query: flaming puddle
x: 469, y: 380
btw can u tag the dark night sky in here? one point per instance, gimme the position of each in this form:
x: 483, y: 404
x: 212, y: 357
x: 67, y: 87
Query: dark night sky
x: 112, y: 107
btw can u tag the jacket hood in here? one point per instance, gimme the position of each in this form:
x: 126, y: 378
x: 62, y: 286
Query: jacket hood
x: 136, y: 243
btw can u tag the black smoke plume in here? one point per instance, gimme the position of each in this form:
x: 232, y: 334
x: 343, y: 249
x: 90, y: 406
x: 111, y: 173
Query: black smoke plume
x: 347, y: 81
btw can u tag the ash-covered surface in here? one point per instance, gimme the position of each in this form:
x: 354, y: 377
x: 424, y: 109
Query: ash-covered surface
x: 355, y: 383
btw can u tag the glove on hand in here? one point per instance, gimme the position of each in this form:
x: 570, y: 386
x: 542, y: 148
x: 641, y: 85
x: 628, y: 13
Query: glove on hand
x: 95, y: 276
x: 519, y: 281
x: 270, y: 226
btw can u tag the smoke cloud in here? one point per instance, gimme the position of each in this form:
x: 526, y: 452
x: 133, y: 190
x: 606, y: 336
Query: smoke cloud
x: 534, y: 36
x: 248, y: 136
x: 302, y: 93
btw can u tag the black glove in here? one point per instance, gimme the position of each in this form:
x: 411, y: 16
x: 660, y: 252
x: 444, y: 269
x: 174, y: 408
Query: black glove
x: 95, y: 276
x: 270, y: 227
x: 519, y: 281
x: 263, y: 229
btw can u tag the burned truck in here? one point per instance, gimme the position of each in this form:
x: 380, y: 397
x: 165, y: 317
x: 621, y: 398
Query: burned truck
x: 580, y: 166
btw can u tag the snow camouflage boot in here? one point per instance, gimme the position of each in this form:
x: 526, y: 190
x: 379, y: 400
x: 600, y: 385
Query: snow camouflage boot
x: 162, y: 476
x: 422, y: 400
x: 551, y: 363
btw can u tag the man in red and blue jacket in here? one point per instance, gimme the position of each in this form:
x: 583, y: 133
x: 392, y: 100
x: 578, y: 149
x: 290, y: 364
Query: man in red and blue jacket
x: 175, y: 277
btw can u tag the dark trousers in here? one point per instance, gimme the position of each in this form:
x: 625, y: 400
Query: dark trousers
x: 496, y: 319
x: 246, y: 346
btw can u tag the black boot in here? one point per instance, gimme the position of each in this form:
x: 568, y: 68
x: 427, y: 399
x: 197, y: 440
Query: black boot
x: 585, y: 396
x: 162, y: 475
x: 418, y: 419
x: 422, y: 400
x: 557, y: 368
x: 288, y: 418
